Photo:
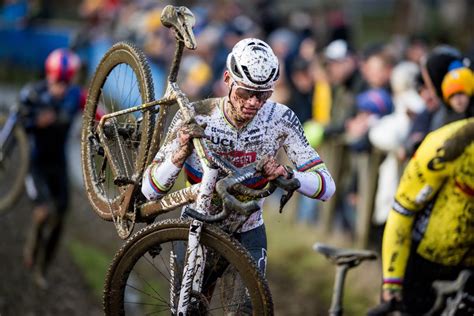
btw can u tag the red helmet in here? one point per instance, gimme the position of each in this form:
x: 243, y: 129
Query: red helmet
x: 62, y: 65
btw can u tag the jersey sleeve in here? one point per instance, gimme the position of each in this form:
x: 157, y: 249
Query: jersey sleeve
x: 161, y: 174
x: 27, y: 98
x: 315, y: 179
x: 422, y: 179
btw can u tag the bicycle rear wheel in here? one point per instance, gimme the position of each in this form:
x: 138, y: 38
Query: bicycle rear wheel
x: 14, y: 164
x: 122, y: 80
x: 145, y: 271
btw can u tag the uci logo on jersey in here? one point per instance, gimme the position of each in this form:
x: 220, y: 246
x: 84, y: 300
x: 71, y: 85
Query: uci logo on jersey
x: 222, y: 141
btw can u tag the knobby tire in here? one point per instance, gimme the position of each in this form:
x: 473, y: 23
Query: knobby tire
x: 14, y: 167
x: 125, y: 278
x: 118, y: 60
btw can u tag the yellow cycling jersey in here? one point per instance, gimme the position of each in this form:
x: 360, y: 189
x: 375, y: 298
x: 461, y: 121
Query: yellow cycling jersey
x: 434, y: 205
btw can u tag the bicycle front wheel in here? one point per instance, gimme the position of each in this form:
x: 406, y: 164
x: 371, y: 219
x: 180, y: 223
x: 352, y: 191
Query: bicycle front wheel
x: 145, y: 275
x: 14, y: 163
x: 122, y: 80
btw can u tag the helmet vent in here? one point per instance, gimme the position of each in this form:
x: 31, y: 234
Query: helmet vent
x: 234, y: 67
x: 247, y: 73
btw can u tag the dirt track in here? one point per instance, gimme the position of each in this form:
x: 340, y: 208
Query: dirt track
x: 67, y: 293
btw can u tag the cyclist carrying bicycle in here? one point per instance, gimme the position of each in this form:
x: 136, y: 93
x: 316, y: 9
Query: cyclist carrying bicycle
x: 51, y: 106
x: 243, y: 127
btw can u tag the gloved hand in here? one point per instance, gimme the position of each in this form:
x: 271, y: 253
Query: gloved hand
x: 271, y: 169
x: 185, y: 135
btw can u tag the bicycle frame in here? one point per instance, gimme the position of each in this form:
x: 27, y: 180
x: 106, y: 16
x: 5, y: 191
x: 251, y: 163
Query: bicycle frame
x: 194, y: 269
x: 344, y: 259
x: 7, y: 131
x: 454, y: 289
x: 178, y: 19
x: 181, y: 20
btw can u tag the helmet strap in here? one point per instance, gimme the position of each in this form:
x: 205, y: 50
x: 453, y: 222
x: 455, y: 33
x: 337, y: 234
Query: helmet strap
x: 230, y: 91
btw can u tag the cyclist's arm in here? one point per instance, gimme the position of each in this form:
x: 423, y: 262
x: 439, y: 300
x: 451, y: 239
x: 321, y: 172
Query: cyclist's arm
x: 421, y: 180
x: 315, y: 179
x: 28, y: 98
x: 161, y: 174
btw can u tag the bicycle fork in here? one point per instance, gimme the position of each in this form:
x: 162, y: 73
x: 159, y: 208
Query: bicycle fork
x: 193, y: 272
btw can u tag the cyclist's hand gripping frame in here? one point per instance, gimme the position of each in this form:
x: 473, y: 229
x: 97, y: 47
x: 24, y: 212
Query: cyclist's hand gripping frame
x: 181, y: 21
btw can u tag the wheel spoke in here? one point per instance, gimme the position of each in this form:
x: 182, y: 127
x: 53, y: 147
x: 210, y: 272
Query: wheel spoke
x: 221, y: 294
x: 122, y: 76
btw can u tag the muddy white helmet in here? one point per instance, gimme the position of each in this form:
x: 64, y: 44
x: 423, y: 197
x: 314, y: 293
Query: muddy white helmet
x: 253, y: 63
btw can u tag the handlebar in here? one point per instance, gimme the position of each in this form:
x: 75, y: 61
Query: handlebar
x: 385, y: 308
x: 231, y: 203
x: 181, y: 20
x: 443, y: 288
x: 239, y: 188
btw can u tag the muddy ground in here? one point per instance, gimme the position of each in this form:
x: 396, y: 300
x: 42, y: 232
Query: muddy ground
x: 67, y: 292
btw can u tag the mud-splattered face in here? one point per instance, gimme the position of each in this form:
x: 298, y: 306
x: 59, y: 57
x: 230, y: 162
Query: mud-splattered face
x: 244, y: 103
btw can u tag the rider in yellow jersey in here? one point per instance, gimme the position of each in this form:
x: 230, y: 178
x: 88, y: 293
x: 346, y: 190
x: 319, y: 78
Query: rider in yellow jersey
x: 429, y: 233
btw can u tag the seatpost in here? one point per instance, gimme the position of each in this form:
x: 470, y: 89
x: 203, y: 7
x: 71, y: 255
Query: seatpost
x: 176, y: 61
x: 338, y: 290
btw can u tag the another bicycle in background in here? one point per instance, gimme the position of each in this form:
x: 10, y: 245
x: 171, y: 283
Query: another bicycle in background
x: 176, y: 266
x: 14, y: 157
x: 451, y: 296
x: 344, y: 259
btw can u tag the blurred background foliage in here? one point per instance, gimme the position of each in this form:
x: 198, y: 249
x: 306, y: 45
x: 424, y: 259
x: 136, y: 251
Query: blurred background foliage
x: 300, y: 279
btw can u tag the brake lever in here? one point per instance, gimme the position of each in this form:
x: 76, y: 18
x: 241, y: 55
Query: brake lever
x: 290, y: 186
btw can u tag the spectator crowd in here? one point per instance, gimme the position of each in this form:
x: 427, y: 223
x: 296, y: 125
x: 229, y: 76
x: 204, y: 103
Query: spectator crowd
x: 365, y: 109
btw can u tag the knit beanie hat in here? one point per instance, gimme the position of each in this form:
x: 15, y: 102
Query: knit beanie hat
x: 459, y: 80
x: 437, y: 64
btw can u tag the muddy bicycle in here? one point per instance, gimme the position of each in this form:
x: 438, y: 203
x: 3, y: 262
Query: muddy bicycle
x: 452, y: 298
x: 14, y: 157
x: 175, y: 266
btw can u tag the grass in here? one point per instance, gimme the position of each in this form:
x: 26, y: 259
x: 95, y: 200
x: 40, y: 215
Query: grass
x: 93, y: 262
x: 301, y: 280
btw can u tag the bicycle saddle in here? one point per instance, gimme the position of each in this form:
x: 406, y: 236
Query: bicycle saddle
x: 182, y: 20
x: 342, y: 256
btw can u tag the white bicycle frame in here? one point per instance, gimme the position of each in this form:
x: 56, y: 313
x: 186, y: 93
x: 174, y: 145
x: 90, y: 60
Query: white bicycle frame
x: 181, y: 20
x: 193, y: 272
